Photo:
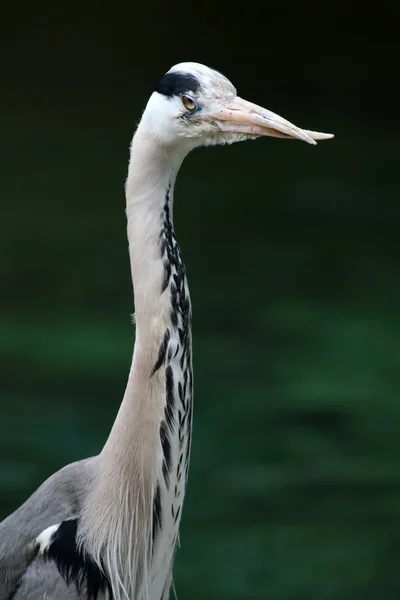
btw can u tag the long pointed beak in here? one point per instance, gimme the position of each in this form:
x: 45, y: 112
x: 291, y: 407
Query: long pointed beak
x: 240, y: 116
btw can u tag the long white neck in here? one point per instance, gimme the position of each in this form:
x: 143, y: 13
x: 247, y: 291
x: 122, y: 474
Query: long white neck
x: 154, y: 257
x: 132, y: 518
x: 149, y: 194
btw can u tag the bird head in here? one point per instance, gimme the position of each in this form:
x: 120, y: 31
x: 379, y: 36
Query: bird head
x: 198, y: 106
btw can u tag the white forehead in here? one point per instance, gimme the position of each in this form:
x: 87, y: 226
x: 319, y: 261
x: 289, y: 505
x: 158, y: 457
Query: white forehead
x: 211, y: 81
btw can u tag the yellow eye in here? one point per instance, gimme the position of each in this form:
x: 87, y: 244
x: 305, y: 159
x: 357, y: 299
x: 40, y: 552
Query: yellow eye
x: 189, y: 103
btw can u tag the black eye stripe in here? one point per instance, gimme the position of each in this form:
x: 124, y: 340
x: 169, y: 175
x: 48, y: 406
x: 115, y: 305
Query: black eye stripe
x: 176, y: 84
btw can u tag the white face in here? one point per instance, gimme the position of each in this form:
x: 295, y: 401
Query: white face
x: 194, y: 105
x: 181, y: 107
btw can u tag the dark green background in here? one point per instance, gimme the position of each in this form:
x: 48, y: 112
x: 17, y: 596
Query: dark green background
x: 293, y: 258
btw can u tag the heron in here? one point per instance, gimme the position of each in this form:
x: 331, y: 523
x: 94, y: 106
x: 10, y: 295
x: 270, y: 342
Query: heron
x: 107, y: 527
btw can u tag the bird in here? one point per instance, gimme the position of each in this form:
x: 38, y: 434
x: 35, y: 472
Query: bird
x: 107, y: 527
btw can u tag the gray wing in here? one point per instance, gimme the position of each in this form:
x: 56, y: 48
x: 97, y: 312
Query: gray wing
x: 22, y: 574
x: 42, y: 581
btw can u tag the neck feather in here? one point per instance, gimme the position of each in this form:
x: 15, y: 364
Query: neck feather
x: 155, y: 260
x: 144, y: 462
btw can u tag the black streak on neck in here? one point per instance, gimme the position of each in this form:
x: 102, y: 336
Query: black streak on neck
x: 157, y: 512
x: 174, y: 279
x: 178, y: 408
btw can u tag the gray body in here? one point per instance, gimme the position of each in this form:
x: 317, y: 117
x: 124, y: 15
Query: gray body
x: 24, y: 574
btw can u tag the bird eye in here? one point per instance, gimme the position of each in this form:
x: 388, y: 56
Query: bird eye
x: 189, y: 103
